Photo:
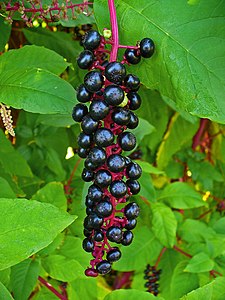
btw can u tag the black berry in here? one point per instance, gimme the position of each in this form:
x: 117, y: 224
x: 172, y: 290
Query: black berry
x: 113, y: 255
x: 104, y: 209
x: 131, y: 210
x: 93, y: 81
x: 121, y: 116
x: 132, y: 56
x: 116, y: 163
x: 79, y: 111
x: 118, y: 188
x: 83, y: 95
x: 84, y: 140
x: 91, y: 40
x: 127, y: 141
x: 85, y: 59
x: 103, y: 178
x: 88, y: 124
x: 127, y: 238
x: 88, y: 245
x: 114, y: 234
x: 113, y: 95
x: 135, y: 100
x: 133, y: 170
x: 147, y: 47
x: 87, y: 175
x: 103, y: 267
x: 115, y: 72
x: 132, y: 82
x: 134, y: 186
x: 99, y: 109
x: 95, y: 193
x: 134, y: 121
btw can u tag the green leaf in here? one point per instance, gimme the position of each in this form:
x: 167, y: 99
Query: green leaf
x: 179, y: 134
x: 214, y: 290
x: 182, y: 282
x: 148, y: 168
x: 180, y: 195
x: 4, y: 293
x: 189, y: 60
x: 219, y: 226
x: 34, y: 57
x: 23, y: 278
x: 144, y: 128
x: 26, y: 227
x: 5, y: 33
x: 62, y: 268
x: 11, y: 160
x: 144, y: 249
x: 199, y: 263
x: 147, y: 189
x: 60, y: 42
x: 131, y: 295
x: 164, y: 224
x: 5, y: 189
x: 37, y: 91
x: 53, y: 193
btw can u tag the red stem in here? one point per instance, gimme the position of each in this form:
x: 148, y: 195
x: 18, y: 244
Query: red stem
x: 51, y: 288
x: 182, y: 252
x: 114, y: 28
x: 67, y: 186
x: 198, y: 135
x: 122, y: 281
x: 160, y: 256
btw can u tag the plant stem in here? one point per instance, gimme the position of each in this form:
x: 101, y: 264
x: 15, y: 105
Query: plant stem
x: 51, y: 288
x: 160, y: 256
x: 182, y: 252
x: 122, y: 281
x: 114, y: 29
x: 67, y: 185
x: 198, y: 135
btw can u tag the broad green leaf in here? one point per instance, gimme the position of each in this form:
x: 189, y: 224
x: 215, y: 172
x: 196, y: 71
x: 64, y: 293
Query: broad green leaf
x: 45, y: 294
x: 195, y: 231
x: 11, y: 159
x: 188, y: 66
x: 26, y: 227
x: 179, y: 134
x: 147, y: 189
x: 144, y: 249
x: 60, y: 42
x: 180, y: 195
x: 144, y: 128
x: 62, y: 268
x: 5, y: 33
x: 56, y: 120
x: 5, y: 189
x: 131, y: 295
x: 164, y: 224
x: 219, y: 226
x: 199, y: 263
x: 148, y: 168
x: 214, y: 290
x: 5, y: 277
x: 34, y: 57
x: 37, y: 91
x: 4, y: 293
x: 53, y: 193
x: 23, y: 278
x: 182, y: 282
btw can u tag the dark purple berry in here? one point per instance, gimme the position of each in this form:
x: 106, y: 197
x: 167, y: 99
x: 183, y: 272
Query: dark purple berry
x: 93, y: 221
x: 88, y: 245
x: 103, y: 178
x: 95, y: 193
x: 131, y: 224
x: 91, y: 40
x: 113, y: 255
x: 91, y: 272
x: 89, y: 202
x: 132, y: 56
x: 133, y: 170
x: 85, y: 59
x: 84, y: 140
x: 99, y: 109
x: 87, y: 232
x: 113, y: 95
x: 121, y: 116
x: 135, y: 100
x: 93, y: 81
x: 79, y: 111
x: 127, y: 141
x: 134, y: 186
x: 134, y: 121
x: 97, y: 156
x: 87, y: 175
x: 127, y: 238
x: 118, y: 189
x: 104, y: 209
x: 147, y: 47
x: 115, y: 72
x: 88, y: 124
x: 89, y: 165
x: 83, y: 95
x: 83, y: 153
x: 98, y: 236
x: 116, y: 163
x: 103, y: 137
x: 114, y: 234
x: 132, y: 82
x: 103, y: 267
x: 131, y: 210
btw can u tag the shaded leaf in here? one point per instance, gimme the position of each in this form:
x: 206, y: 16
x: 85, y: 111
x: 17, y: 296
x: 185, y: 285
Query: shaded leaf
x: 199, y: 263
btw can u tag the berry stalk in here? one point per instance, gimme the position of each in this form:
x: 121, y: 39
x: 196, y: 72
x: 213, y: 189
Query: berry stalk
x: 114, y: 29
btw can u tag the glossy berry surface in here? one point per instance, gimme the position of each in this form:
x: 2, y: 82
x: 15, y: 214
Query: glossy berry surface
x: 98, y: 236
x: 79, y: 111
x: 93, y: 81
x: 103, y: 137
x: 84, y: 140
x: 93, y: 221
x: 113, y: 95
x: 97, y: 156
x: 83, y: 95
x: 104, y: 209
x: 103, y: 178
x: 104, y: 267
x: 135, y: 100
x: 91, y: 40
x: 114, y: 234
x: 82, y: 152
x: 147, y: 47
x: 131, y: 224
x: 95, y: 193
x: 127, y: 141
x: 132, y: 82
x: 115, y: 72
x: 99, y: 109
x: 131, y: 210
x: 116, y: 163
x: 134, y: 121
x: 133, y: 170
x: 88, y: 245
x: 121, y: 116
x: 87, y: 175
x: 88, y: 124
x: 127, y: 238
x: 113, y: 255
x: 85, y: 59
x: 118, y: 188
x: 132, y: 56
x: 134, y: 186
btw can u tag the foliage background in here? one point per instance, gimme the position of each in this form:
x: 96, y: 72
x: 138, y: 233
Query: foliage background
x: 182, y: 196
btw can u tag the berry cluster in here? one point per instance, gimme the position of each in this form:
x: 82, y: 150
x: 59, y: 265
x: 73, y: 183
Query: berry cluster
x: 113, y: 97
x: 152, y: 276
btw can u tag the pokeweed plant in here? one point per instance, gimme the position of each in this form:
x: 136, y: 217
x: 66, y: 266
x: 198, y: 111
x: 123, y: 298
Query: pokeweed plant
x: 173, y: 145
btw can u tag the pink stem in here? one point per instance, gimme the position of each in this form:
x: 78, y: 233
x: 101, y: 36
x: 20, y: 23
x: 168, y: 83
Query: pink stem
x: 198, y: 135
x: 51, y: 288
x: 128, y: 47
x: 114, y: 27
x: 159, y: 257
x: 122, y: 281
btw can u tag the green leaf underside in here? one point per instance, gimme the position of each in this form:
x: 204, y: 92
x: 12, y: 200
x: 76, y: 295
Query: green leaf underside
x: 181, y: 196
x: 26, y: 227
x: 188, y: 66
x: 4, y: 293
x: 37, y: 91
